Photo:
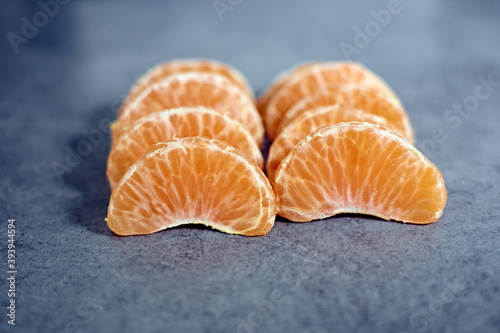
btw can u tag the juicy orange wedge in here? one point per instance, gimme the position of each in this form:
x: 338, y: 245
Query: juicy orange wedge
x: 314, y: 78
x: 355, y: 96
x: 358, y: 168
x: 192, y: 180
x: 177, y: 123
x: 308, y: 122
x: 278, y: 82
x: 193, y: 89
x: 164, y: 70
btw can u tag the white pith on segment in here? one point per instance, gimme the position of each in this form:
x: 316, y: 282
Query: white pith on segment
x: 308, y: 122
x: 322, y: 75
x: 161, y: 163
x: 236, y: 104
x: 177, y: 123
x: 346, y: 192
x: 355, y: 96
x: 156, y: 74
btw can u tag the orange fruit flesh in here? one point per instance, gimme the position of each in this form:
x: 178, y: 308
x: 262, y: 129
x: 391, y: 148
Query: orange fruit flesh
x: 308, y: 122
x: 177, y: 123
x: 190, y: 90
x: 355, y: 96
x: 358, y: 168
x: 192, y: 180
x: 316, y: 78
x: 164, y: 70
x: 278, y: 82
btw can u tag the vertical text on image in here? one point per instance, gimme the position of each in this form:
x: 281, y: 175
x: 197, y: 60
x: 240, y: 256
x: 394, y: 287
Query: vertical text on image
x: 11, y: 271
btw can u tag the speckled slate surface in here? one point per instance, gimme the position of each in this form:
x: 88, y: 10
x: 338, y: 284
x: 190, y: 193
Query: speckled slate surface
x: 346, y: 274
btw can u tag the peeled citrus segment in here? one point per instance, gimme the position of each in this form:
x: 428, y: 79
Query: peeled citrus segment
x: 315, y: 78
x: 358, y: 168
x: 308, y: 122
x: 359, y: 97
x: 193, y: 89
x: 192, y: 181
x: 278, y: 82
x: 178, y: 123
x: 164, y: 70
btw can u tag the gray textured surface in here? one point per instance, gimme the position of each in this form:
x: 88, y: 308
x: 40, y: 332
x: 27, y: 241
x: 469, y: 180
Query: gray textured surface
x: 344, y: 274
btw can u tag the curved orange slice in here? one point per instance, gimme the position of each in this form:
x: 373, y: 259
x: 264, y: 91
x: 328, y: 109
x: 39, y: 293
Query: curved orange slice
x: 177, y: 123
x: 278, y: 82
x: 164, y: 70
x: 308, y: 122
x: 192, y: 180
x: 359, y: 97
x: 358, y: 168
x: 315, y: 78
x: 193, y: 89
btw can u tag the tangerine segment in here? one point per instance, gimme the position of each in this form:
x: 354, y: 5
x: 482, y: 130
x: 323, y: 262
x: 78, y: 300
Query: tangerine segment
x: 193, y: 89
x: 308, y: 122
x: 164, y: 70
x: 357, y: 97
x: 278, y: 82
x: 177, y: 123
x: 192, y: 180
x: 358, y: 168
x: 315, y: 78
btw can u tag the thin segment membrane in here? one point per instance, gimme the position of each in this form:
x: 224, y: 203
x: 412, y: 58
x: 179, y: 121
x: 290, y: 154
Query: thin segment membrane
x: 192, y: 90
x: 192, y: 180
x: 354, y: 96
x: 308, y: 122
x: 162, y: 71
x: 316, y: 78
x: 177, y: 123
x: 278, y: 82
x: 368, y: 169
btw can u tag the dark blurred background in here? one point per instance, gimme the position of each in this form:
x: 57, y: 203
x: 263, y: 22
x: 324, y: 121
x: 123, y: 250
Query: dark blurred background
x: 66, y: 65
